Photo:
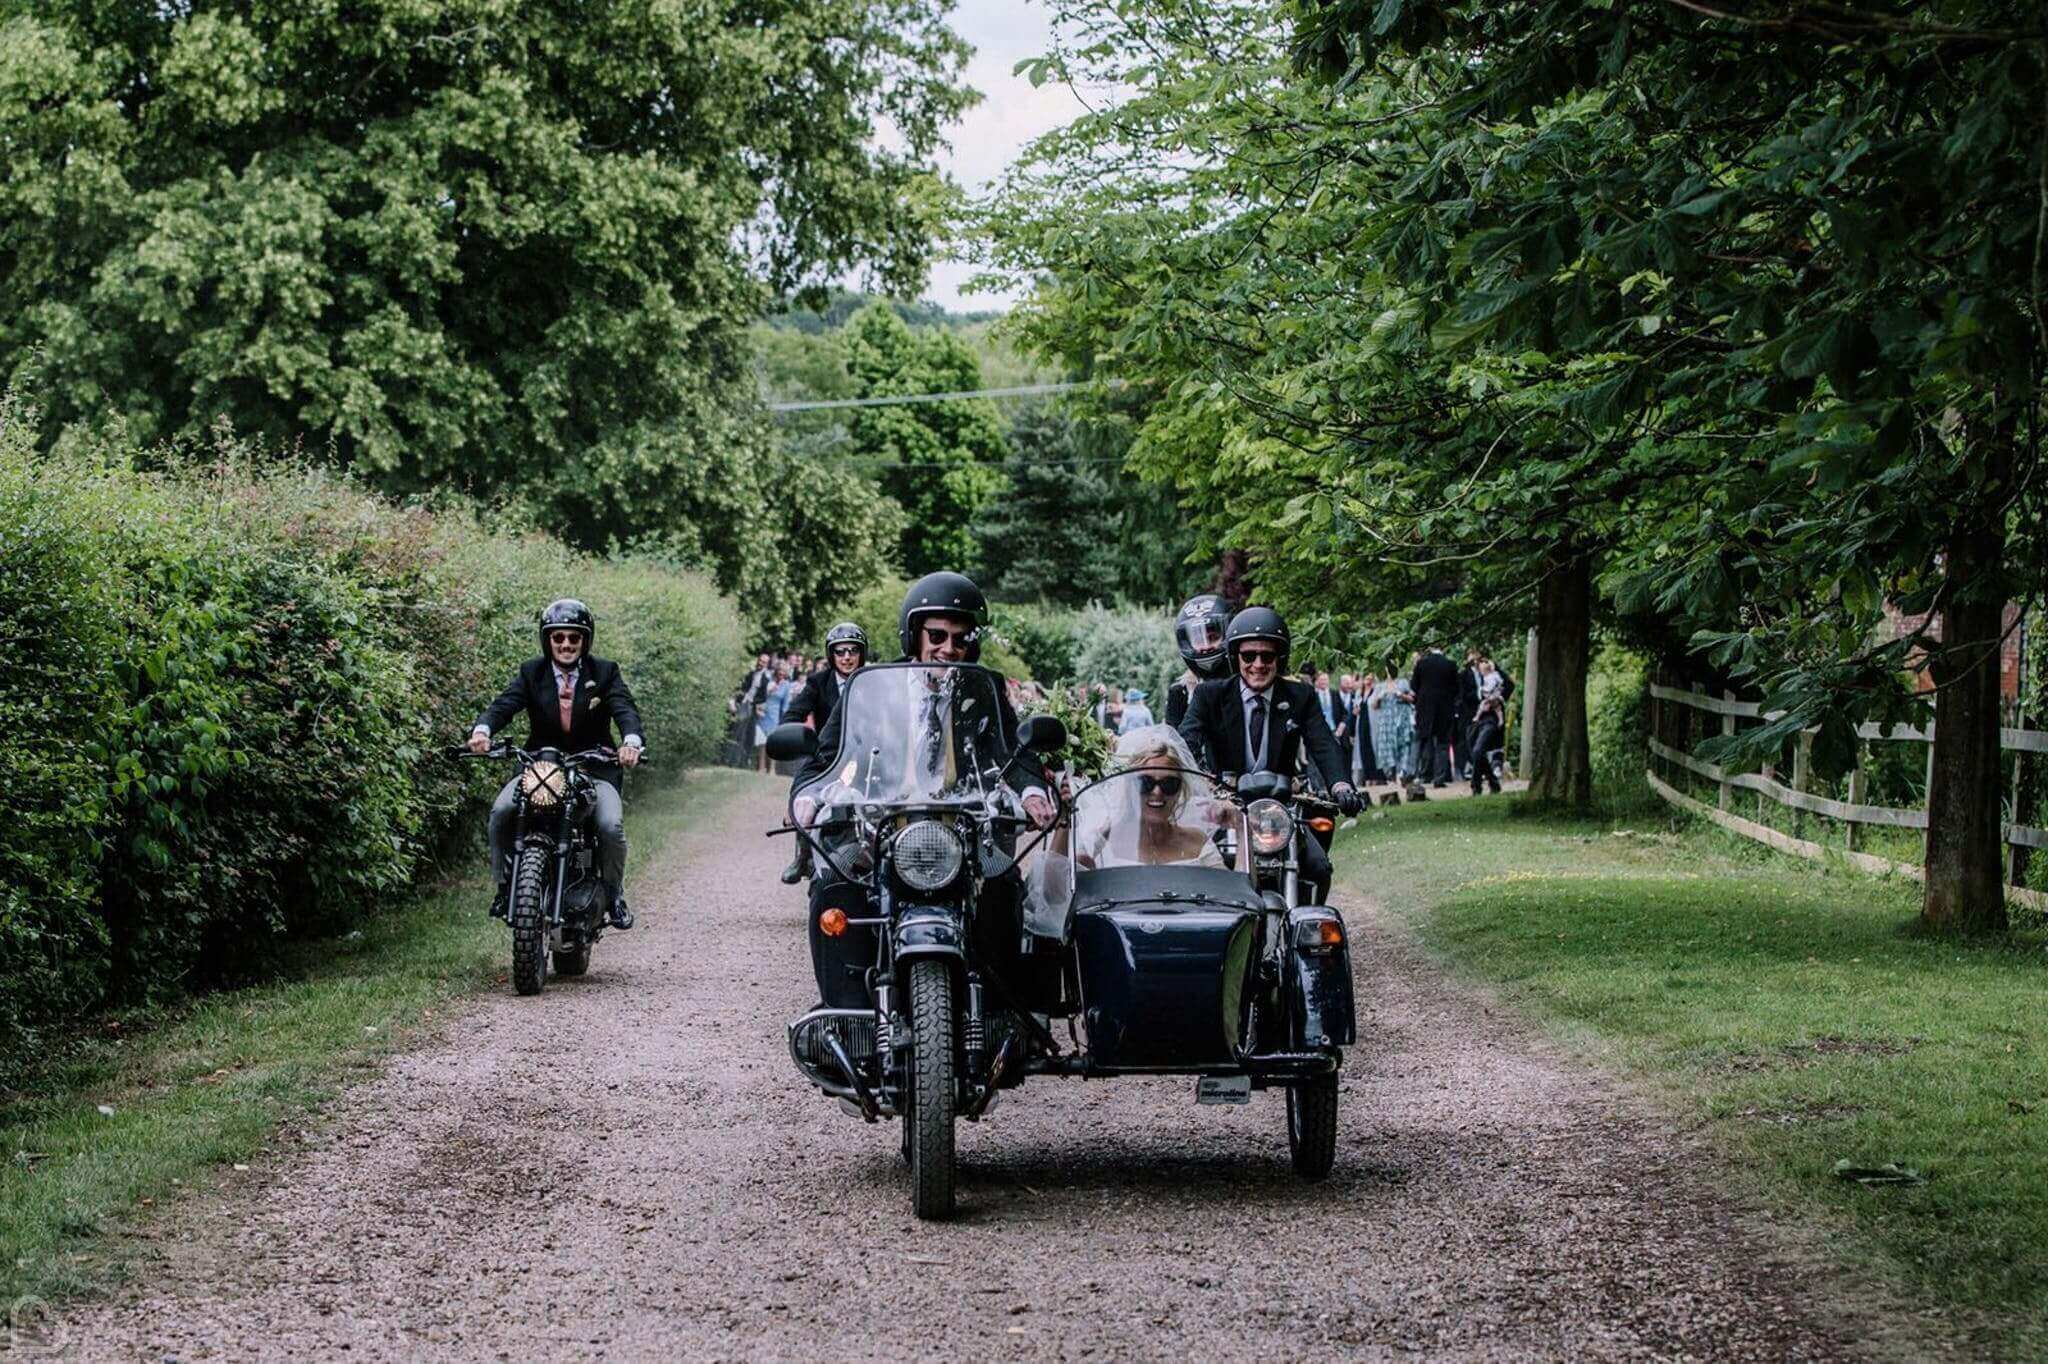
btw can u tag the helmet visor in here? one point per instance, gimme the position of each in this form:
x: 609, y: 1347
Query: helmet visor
x: 1200, y: 637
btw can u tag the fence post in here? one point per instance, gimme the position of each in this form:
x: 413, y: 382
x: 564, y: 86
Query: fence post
x: 1855, y: 794
x: 1802, y: 775
x: 1727, y: 727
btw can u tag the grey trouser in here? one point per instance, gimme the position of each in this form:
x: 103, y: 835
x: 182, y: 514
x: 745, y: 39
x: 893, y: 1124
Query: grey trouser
x: 608, y: 812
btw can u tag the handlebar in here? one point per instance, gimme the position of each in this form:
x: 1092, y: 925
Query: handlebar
x: 589, y: 757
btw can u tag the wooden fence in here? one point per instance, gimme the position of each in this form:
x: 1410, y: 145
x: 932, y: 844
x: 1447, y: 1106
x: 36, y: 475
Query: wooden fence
x: 1852, y: 813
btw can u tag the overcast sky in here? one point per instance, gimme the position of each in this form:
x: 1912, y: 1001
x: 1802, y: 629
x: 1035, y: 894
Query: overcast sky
x: 1011, y: 113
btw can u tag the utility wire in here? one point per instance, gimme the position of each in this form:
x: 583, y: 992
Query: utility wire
x: 1022, y: 391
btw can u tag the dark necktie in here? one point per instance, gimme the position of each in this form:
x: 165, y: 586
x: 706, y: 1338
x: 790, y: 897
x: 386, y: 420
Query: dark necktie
x: 1251, y: 759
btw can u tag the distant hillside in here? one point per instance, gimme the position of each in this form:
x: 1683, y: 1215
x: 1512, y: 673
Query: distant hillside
x: 845, y: 303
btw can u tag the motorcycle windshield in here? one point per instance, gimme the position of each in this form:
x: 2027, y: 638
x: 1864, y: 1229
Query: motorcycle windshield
x: 915, y: 734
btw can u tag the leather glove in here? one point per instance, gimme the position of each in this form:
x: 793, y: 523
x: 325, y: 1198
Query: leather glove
x: 1349, y: 803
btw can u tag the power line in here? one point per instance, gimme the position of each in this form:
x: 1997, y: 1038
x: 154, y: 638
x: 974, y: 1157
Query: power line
x: 1022, y: 391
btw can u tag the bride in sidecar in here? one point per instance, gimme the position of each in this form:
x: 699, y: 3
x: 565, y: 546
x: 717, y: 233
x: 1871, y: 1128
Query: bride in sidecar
x: 1147, y: 812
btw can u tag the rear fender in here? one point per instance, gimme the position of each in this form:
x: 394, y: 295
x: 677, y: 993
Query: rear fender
x: 1320, y: 1008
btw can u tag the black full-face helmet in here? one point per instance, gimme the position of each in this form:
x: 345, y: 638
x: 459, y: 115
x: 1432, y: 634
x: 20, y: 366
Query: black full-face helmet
x: 942, y: 594
x: 1198, y: 630
x: 568, y: 614
x: 846, y: 632
x: 1258, y: 622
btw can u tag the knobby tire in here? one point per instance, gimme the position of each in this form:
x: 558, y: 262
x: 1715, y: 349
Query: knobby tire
x: 1312, y: 1126
x: 529, y: 920
x: 932, y: 1090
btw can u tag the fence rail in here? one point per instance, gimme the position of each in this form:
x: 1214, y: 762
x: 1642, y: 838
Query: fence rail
x: 1851, y: 812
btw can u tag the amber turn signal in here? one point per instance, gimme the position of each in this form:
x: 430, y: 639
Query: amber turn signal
x: 1322, y: 824
x: 833, y: 922
x: 1324, y: 933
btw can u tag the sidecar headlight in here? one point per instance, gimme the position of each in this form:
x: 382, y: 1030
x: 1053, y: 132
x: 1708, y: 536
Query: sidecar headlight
x: 1272, y: 828
x: 928, y: 855
x: 544, y: 783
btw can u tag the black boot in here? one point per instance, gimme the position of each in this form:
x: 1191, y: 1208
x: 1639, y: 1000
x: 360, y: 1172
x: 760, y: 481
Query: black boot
x: 621, y: 917
x: 501, y: 901
x: 793, y: 873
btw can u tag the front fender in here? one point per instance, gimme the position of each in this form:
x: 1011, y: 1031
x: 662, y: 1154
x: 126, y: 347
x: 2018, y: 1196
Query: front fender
x: 1320, y: 1008
x: 922, y: 931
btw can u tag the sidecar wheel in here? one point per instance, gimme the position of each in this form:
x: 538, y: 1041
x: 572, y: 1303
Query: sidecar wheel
x: 1312, y: 1126
x: 932, y: 1093
x: 572, y: 961
x: 529, y: 921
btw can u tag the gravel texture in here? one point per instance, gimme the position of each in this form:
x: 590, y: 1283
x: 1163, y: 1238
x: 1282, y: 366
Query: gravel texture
x: 628, y: 1167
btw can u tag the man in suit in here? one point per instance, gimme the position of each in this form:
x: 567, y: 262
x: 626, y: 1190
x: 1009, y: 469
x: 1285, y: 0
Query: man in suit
x: 571, y: 699
x: 1255, y: 721
x: 941, y: 621
x: 1435, y: 684
x: 846, y: 649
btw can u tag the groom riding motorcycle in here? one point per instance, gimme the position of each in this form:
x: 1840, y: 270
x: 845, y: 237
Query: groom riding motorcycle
x: 1255, y: 720
x: 941, y: 621
x: 571, y: 699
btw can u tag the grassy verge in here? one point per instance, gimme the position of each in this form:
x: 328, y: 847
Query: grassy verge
x: 146, y: 1106
x: 1780, y: 1004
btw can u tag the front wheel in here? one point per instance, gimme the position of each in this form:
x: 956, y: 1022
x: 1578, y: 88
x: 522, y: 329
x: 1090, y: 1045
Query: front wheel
x: 1312, y: 1125
x: 932, y: 1093
x: 530, y: 920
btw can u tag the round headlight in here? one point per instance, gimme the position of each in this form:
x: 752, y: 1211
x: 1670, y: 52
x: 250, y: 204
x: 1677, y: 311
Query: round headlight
x: 928, y: 855
x: 544, y: 783
x: 1270, y: 825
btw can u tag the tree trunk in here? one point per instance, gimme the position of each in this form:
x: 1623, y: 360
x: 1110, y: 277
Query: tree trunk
x: 1965, y: 838
x: 1562, y: 772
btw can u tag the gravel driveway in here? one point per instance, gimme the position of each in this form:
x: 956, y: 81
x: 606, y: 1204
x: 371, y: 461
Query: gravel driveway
x: 628, y: 1167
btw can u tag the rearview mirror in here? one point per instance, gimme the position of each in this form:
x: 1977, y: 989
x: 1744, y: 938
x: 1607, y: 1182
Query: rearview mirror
x: 1042, y: 734
x: 790, y: 743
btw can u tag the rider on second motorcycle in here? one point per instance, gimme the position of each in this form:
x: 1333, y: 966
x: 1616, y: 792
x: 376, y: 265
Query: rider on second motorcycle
x: 571, y: 699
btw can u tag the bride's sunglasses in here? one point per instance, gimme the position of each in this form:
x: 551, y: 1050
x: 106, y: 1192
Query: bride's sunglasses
x: 1165, y: 786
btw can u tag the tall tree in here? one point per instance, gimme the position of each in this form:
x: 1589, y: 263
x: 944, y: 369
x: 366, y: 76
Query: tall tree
x: 506, y: 246
x: 941, y: 461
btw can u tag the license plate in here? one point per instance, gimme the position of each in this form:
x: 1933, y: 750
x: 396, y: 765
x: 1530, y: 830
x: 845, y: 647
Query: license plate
x: 1223, y: 1089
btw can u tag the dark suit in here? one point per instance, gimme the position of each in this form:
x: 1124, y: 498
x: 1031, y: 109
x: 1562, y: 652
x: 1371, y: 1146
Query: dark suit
x: 1435, y: 684
x: 1177, y: 702
x: 1215, y: 730
x: 602, y: 700
x: 816, y: 702
x: 1462, y: 713
x: 841, y: 963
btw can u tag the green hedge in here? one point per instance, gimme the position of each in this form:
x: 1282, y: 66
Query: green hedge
x: 229, y: 695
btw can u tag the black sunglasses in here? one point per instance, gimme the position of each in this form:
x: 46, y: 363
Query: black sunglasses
x: 936, y: 634
x: 1166, y: 786
x: 845, y: 650
x: 1258, y: 655
x: 564, y: 636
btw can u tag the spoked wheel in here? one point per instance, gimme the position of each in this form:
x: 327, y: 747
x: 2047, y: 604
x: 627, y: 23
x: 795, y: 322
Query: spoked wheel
x: 931, y: 1090
x: 1312, y: 1125
x: 529, y: 921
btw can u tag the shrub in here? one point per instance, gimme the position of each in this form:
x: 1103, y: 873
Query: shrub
x: 233, y: 692
x: 1127, y: 648
x: 1617, y: 723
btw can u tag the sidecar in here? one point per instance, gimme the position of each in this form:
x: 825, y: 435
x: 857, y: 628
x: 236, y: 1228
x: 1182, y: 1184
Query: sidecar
x: 1189, y: 969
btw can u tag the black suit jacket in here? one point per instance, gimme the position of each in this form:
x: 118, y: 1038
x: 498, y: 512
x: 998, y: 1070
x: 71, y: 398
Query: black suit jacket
x: 602, y: 700
x: 1214, y: 729
x: 1027, y: 773
x: 816, y: 702
x: 1435, y: 684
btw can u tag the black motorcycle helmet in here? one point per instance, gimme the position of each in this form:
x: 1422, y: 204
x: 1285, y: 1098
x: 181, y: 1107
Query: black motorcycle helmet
x: 942, y: 594
x: 567, y: 613
x: 1198, y: 630
x: 846, y: 632
x: 1258, y: 622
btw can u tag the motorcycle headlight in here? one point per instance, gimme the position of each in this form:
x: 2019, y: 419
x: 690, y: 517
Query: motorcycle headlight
x: 1271, y: 827
x: 544, y: 783
x: 928, y: 855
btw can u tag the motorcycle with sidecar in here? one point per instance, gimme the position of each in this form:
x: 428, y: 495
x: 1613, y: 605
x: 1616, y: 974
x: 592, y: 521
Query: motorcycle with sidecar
x: 943, y: 980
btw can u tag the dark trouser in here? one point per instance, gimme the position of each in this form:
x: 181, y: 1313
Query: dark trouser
x: 1461, y: 729
x: 842, y: 964
x: 1433, y: 753
x: 1315, y: 872
x: 1483, y: 741
x: 608, y: 812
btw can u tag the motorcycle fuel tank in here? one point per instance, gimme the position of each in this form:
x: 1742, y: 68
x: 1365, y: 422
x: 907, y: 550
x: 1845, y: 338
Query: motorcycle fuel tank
x: 1163, y: 956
